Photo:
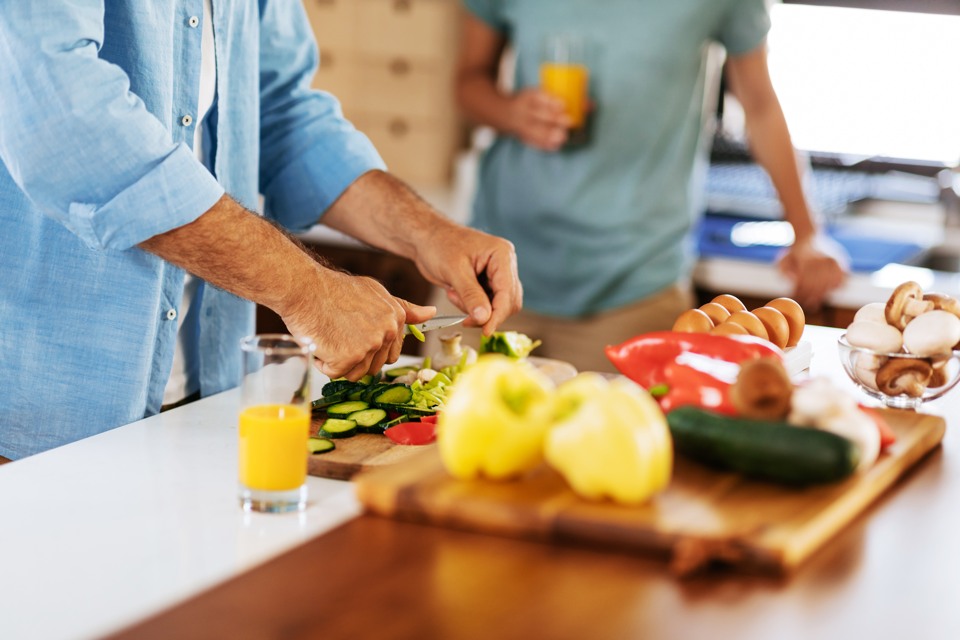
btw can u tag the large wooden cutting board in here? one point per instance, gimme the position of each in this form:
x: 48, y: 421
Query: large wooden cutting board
x: 703, y: 516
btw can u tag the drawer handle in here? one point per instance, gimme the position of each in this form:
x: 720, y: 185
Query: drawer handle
x: 402, y: 6
x: 326, y: 58
x: 398, y: 127
x: 399, y: 67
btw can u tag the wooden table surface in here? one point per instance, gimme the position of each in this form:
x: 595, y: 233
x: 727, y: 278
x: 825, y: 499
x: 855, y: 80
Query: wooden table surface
x: 893, y: 573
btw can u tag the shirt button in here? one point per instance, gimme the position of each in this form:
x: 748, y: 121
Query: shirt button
x: 186, y: 120
x: 172, y: 314
x: 193, y: 22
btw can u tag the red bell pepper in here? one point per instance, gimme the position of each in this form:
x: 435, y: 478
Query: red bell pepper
x: 688, y: 368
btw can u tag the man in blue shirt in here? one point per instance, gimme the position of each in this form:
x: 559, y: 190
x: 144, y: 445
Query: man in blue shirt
x: 104, y: 207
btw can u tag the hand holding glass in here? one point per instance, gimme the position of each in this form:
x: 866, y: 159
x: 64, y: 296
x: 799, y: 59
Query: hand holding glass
x: 274, y: 422
x: 564, y: 74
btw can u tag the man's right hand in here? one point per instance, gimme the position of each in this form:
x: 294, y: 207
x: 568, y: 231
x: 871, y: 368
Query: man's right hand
x: 538, y: 119
x: 356, y: 324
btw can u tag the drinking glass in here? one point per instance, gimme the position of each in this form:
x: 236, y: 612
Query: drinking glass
x: 274, y: 422
x: 564, y: 74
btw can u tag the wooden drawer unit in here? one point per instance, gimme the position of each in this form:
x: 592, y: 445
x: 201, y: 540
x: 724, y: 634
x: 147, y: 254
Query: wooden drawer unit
x: 407, y: 87
x: 391, y: 64
x: 338, y: 74
x: 425, y: 29
x: 418, y: 150
x: 334, y: 22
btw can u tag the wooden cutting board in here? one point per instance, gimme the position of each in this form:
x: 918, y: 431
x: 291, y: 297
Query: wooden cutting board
x: 362, y: 452
x: 704, y: 515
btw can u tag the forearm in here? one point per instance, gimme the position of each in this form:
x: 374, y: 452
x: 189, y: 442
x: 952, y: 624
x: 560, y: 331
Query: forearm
x: 772, y: 147
x: 383, y: 212
x: 244, y: 254
x: 482, y: 101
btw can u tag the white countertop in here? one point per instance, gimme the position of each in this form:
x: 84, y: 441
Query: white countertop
x: 109, y: 530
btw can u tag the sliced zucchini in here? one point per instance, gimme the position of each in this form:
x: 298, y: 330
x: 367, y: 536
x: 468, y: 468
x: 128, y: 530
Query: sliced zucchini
x: 316, y: 444
x: 373, y: 390
x: 368, y: 417
x: 337, y: 428
x: 336, y: 385
x: 326, y: 401
x: 409, y: 410
x: 393, y: 395
x: 396, y: 372
x: 344, y: 409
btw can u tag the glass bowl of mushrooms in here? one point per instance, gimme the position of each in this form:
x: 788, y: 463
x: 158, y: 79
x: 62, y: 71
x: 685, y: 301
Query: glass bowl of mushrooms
x: 904, y: 352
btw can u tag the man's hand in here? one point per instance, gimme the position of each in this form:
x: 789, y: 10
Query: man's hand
x: 538, y: 119
x: 478, y: 271
x: 355, y: 323
x: 816, y: 266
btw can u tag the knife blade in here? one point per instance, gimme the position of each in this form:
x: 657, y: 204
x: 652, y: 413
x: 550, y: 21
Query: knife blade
x: 437, y: 322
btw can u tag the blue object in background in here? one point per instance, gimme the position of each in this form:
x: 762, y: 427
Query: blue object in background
x: 763, y: 240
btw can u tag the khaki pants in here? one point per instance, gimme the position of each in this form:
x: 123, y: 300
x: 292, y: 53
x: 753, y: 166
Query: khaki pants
x: 581, y: 341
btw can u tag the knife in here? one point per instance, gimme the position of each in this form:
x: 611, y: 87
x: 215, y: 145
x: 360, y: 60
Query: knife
x: 436, y: 322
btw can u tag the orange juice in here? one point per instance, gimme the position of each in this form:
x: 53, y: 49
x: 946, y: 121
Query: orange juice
x: 273, y: 446
x: 569, y: 82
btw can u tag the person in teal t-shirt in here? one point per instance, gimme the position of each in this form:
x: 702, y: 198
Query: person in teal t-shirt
x: 603, y: 230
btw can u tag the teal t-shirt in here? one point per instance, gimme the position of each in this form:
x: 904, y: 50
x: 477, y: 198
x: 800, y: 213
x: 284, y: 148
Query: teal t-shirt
x: 604, y: 225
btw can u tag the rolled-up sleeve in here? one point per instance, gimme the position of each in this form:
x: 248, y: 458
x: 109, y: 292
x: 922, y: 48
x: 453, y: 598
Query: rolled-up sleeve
x: 309, y: 153
x: 78, y: 143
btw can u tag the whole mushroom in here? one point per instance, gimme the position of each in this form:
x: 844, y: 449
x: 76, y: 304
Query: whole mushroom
x: 872, y: 312
x: 908, y: 376
x: 882, y: 338
x: 932, y: 333
x: 905, y: 303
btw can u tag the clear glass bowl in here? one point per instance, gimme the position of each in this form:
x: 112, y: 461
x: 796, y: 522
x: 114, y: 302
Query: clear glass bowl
x: 864, y: 368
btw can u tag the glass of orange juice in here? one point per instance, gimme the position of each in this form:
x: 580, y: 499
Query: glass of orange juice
x: 564, y: 74
x: 274, y: 422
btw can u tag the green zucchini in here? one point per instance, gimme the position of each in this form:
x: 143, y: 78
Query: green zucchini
x: 337, y: 428
x: 396, y: 372
x: 326, y: 401
x: 762, y: 449
x: 336, y: 385
x: 344, y: 409
x: 316, y: 444
x: 374, y: 389
x: 369, y: 420
x: 394, y: 394
x: 408, y: 410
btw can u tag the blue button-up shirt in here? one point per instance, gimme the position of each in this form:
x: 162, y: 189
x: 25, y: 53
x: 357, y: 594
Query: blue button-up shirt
x: 98, y: 102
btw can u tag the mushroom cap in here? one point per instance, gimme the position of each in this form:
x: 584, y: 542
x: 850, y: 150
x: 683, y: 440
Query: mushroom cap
x: 943, y: 302
x: 717, y: 312
x: 693, y: 321
x: 730, y: 303
x: 908, y: 376
x: 934, y: 332
x: 905, y: 302
x: 796, y: 319
x: 872, y: 312
x: 749, y: 322
x: 729, y: 329
x: 778, y: 329
x: 874, y: 336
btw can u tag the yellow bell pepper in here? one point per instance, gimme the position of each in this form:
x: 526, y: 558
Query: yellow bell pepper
x: 495, y: 419
x: 610, y: 440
